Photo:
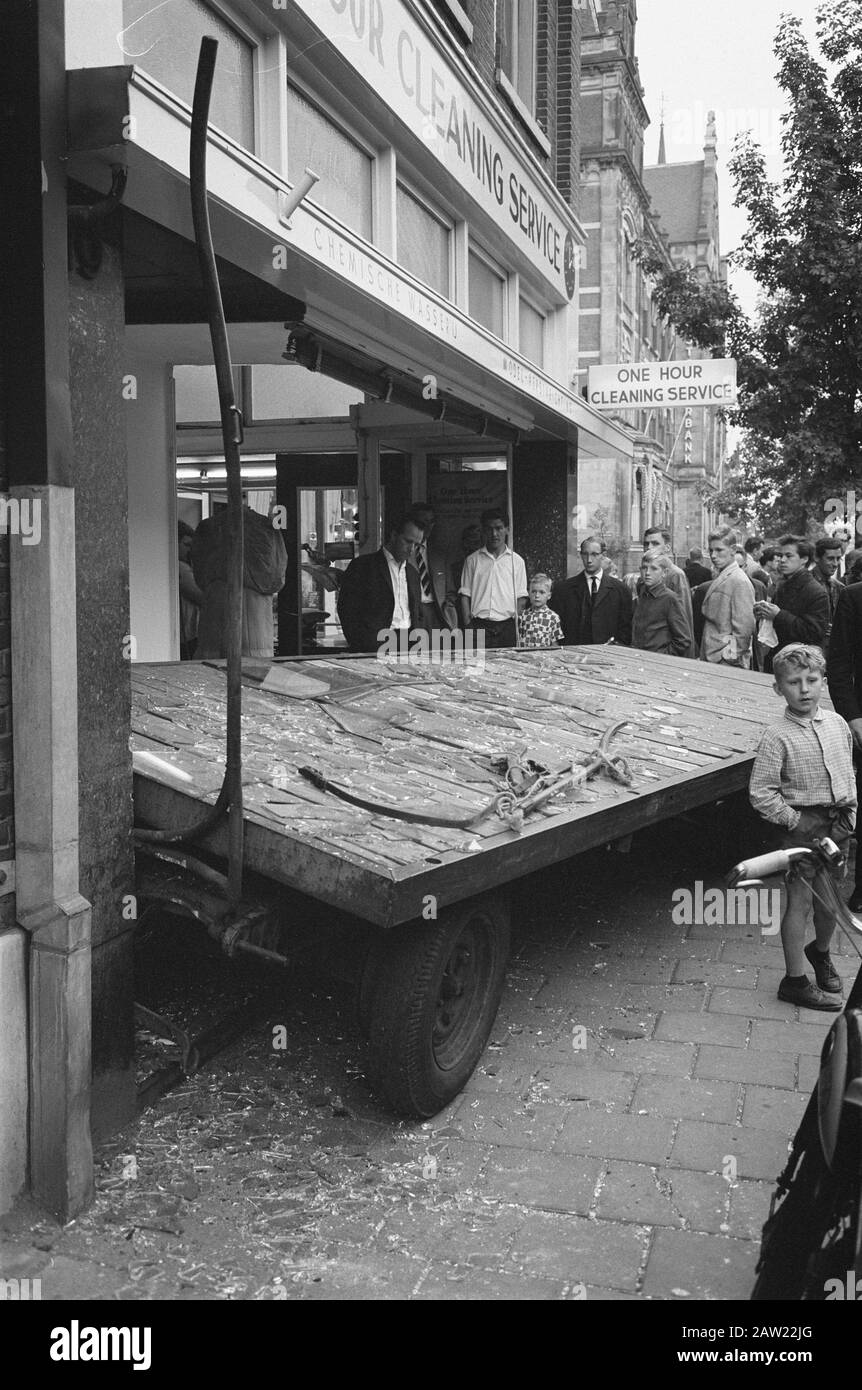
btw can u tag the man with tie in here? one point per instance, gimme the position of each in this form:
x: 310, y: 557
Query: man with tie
x: 438, y: 601
x: 379, y: 593
x: 593, y: 605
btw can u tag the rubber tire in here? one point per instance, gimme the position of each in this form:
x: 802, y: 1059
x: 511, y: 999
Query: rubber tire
x: 404, y: 1066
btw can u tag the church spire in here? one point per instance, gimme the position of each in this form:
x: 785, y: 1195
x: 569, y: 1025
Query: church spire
x: 662, y: 152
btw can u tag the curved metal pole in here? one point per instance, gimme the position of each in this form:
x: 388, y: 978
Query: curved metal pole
x: 231, y: 423
x: 230, y: 795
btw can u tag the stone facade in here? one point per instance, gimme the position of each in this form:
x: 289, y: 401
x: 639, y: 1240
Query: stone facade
x: 678, y: 454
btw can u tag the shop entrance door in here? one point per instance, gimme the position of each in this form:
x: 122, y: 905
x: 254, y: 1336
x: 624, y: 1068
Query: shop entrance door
x: 319, y: 496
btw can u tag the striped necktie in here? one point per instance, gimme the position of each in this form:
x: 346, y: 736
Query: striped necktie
x: 424, y: 576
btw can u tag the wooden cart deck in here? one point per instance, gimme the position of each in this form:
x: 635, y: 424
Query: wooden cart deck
x: 422, y: 736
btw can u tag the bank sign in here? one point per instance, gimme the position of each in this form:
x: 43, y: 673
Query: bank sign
x: 390, y: 50
x: 646, y: 385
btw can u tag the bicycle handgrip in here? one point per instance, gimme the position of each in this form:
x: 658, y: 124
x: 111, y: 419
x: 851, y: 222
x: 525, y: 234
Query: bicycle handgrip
x: 760, y: 866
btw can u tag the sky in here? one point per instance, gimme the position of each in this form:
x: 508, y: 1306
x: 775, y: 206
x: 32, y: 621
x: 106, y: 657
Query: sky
x: 715, y: 55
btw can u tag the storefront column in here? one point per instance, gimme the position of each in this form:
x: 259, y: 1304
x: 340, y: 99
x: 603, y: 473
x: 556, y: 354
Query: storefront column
x: 101, y: 395
x: 50, y: 907
x: 544, y: 491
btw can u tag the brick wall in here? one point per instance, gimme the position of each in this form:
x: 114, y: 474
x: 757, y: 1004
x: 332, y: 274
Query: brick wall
x: 483, y: 50
x: 568, y: 122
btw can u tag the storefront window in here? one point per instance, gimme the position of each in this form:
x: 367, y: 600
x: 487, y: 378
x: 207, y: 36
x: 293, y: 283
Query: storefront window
x: 487, y: 294
x: 531, y: 333
x: 423, y: 242
x: 164, y: 41
x: 344, y: 169
x: 518, y: 47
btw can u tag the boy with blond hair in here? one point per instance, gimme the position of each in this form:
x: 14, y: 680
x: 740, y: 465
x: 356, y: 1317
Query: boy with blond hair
x: 803, y: 781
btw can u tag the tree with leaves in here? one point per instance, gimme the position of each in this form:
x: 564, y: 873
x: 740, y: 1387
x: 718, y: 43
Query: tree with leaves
x: 800, y: 357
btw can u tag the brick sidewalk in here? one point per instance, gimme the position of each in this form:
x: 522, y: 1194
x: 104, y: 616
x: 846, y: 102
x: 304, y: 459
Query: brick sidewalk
x: 620, y: 1139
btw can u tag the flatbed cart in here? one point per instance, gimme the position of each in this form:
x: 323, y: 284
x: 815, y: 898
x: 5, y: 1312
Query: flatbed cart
x: 408, y: 796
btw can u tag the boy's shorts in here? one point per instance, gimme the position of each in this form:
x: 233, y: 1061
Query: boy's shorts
x: 814, y: 823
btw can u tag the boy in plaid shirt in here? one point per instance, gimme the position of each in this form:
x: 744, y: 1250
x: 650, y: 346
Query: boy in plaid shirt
x: 539, y: 625
x: 803, y: 781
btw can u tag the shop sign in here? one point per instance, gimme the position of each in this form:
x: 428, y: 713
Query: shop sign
x: 390, y: 50
x: 645, y: 385
x: 385, y: 282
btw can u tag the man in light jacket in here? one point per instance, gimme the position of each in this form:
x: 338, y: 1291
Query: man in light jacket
x: 728, y: 607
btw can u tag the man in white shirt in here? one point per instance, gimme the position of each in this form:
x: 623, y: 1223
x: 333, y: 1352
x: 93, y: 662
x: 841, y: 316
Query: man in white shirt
x: 494, y: 588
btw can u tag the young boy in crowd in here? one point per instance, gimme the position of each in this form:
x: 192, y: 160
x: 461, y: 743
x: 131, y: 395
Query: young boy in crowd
x: 803, y: 781
x: 659, y: 624
x: 539, y: 625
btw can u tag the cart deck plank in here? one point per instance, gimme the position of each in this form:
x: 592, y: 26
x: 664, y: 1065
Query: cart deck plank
x: 422, y: 737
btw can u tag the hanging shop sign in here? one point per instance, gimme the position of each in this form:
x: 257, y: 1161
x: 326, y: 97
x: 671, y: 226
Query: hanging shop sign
x: 646, y: 385
x: 392, y: 52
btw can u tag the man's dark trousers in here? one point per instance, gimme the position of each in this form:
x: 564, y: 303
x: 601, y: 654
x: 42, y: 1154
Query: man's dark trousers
x: 502, y: 634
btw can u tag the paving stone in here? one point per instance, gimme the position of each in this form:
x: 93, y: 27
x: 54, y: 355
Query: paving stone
x: 480, y: 1237
x: 729, y: 931
x: 722, y: 1029
x: 579, y: 1250
x: 500, y: 1071
x: 785, y: 1038
x: 741, y: 1064
x: 676, y: 998
x: 585, y: 1081
x: 598, y: 1133
x: 809, y: 1071
x: 705, y: 1266
x: 522, y: 982
x: 593, y: 1294
x: 749, y: 1208
x: 602, y: 1022
x: 524, y: 1033
x: 763, y: 950
x: 683, y: 949
x: 766, y: 1108
x: 636, y: 1055
x: 569, y: 994
x: 658, y: 1196
x: 19, y: 1261
x: 656, y: 970
x: 749, y: 1003
x: 715, y: 974
x: 704, y: 1146
x: 443, y: 1283
x: 553, y: 1182
x: 679, y: 1098
x: 359, y: 1278
x: 496, y: 1120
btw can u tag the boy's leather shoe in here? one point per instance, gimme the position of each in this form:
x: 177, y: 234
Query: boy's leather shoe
x: 808, y: 996
x: 825, y: 973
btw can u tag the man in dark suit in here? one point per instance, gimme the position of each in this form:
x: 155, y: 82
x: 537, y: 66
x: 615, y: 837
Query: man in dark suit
x: 844, y: 674
x: 695, y: 571
x: 593, y: 606
x: 381, y: 593
x: 438, y: 599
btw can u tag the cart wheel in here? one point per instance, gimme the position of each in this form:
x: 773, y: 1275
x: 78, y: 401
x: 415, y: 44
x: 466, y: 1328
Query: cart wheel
x: 433, y: 1002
